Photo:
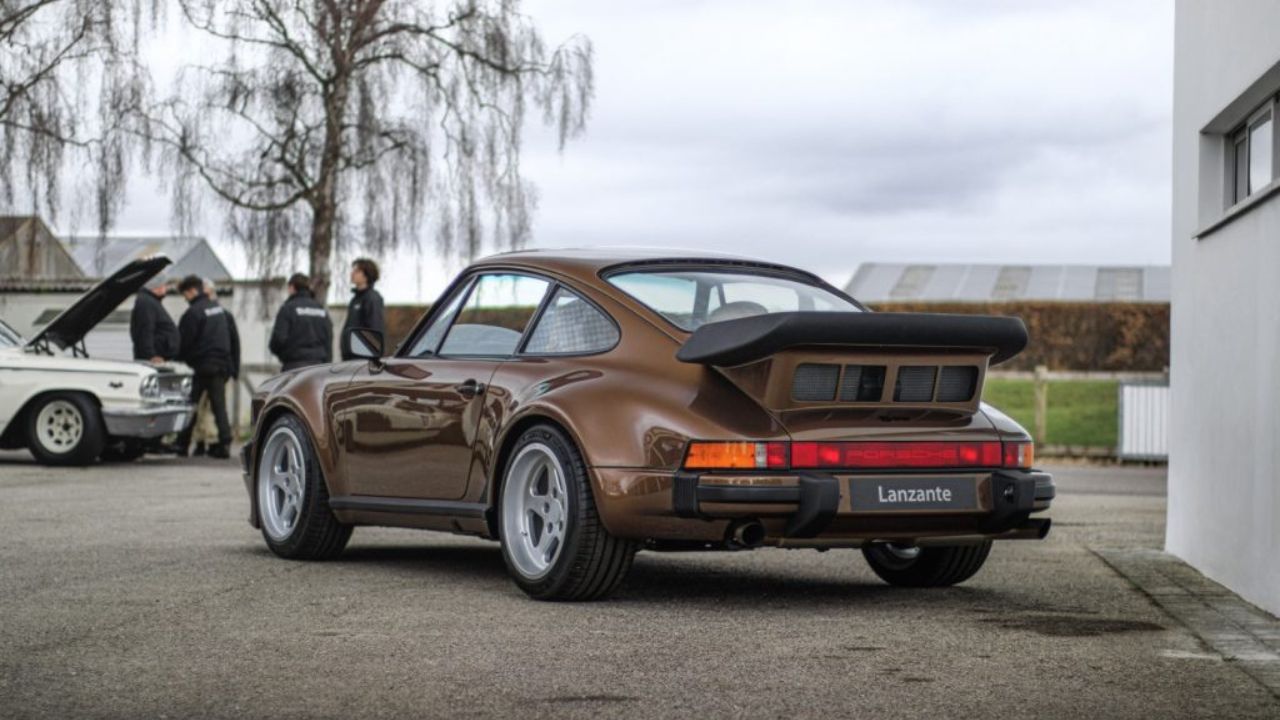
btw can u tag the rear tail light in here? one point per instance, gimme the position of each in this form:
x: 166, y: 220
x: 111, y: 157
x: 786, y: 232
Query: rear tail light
x: 1019, y: 454
x: 857, y: 455
x: 737, y: 455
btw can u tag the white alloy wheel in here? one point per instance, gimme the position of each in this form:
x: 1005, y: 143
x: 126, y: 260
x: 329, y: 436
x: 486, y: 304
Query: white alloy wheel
x: 59, y: 427
x: 282, y: 483
x: 535, y: 510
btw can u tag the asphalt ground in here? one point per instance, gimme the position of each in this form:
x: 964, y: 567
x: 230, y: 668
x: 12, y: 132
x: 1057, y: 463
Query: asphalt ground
x: 139, y: 590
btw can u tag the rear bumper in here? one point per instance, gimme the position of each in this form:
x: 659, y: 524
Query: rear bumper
x: 147, y: 422
x: 818, y: 508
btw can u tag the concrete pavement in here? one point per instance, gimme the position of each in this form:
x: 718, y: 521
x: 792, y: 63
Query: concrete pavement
x: 139, y: 590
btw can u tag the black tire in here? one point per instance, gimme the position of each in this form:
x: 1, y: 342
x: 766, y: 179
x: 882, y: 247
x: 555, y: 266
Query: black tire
x: 932, y: 567
x: 124, y: 450
x: 591, y: 564
x: 316, y: 534
x: 73, y: 407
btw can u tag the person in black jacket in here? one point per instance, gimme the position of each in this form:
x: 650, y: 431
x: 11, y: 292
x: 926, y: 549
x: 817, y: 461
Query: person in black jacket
x: 155, y: 337
x: 210, y: 344
x: 365, y: 309
x: 303, y: 332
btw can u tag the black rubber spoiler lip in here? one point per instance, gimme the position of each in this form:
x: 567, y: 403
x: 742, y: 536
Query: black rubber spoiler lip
x: 736, y: 342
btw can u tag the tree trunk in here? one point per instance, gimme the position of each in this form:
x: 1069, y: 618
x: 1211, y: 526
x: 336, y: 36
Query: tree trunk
x: 321, y: 249
x: 324, y: 198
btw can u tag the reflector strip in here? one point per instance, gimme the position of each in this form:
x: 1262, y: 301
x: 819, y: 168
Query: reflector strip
x: 889, y: 455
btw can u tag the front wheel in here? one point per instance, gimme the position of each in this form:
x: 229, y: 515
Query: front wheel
x: 293, y: 501
x: 65, y: 429
x: 911, y: 566
x: 553, y: 542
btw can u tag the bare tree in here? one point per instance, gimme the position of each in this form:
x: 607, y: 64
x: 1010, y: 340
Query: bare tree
x: 68, y: 78
x: 331, y: 125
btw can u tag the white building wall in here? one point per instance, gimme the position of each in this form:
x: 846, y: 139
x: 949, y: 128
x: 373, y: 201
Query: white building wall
x: 1224, y: 473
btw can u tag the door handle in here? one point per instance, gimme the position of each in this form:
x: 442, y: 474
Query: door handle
x: 470, y: 388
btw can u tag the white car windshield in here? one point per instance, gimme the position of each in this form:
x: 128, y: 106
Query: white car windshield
x: 9, y: 337
x: 693, y: 298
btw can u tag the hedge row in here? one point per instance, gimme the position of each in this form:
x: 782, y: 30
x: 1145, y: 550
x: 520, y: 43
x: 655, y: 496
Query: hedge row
x: 1118, y: 337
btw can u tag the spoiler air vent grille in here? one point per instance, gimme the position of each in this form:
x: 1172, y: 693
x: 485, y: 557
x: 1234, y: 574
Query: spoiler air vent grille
x: 823, y: 382
x: 958, y: 383
x: 862, y: 383
x: 815, y: 383
x: 915, y: 383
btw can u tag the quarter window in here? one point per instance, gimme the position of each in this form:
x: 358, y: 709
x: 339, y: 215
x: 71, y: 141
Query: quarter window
x: 495, y: 315
x: 570, y: 324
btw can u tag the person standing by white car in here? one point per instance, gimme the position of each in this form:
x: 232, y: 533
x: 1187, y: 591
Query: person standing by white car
x: 210, y: 344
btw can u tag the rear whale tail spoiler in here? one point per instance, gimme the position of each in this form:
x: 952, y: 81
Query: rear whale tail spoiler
x: 736, y: 342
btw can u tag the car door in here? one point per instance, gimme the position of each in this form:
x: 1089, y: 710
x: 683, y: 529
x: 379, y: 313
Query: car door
x: 410, y: 423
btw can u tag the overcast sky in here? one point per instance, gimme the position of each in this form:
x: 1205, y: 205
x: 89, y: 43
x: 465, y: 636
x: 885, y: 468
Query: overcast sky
x: 826, y: 134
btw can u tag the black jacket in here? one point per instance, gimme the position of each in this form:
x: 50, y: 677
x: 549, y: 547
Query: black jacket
x: 151, y: 329
x: 303, y: 333
x: 364, y: 311
x: 210, y: 342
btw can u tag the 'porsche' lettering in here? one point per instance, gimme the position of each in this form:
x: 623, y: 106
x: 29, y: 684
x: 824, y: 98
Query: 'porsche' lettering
x: 913, y: 495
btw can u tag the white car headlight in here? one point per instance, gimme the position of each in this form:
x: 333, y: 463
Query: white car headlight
x: 150, y: 387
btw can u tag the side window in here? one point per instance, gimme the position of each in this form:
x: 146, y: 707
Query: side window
x: 495, y: 315
x: 571, y: 325
x: 430, y: 340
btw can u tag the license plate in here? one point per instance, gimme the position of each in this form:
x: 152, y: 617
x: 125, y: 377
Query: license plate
x: 908, y: 493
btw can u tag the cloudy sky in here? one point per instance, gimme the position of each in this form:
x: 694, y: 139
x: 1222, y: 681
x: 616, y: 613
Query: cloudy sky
x: 830, y: 133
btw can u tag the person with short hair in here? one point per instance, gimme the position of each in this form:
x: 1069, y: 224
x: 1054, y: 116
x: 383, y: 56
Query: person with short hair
x: 365, y: 309
x: 209, y: 344
x: 154, y: 335
x: 303, y: 332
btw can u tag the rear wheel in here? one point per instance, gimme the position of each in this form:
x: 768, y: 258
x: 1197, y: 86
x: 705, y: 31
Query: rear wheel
x: 293, y: 501
x: 553, y: 542
x: 65, y: 429
x: 911, y: 566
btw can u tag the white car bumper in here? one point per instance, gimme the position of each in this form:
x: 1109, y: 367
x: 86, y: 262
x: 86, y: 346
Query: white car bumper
x: 147, y: 422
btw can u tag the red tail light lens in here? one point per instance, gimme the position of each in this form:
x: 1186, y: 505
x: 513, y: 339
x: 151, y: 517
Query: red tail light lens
x: 887, y: 455
x: 1019, y: 454
x: 857, y: 455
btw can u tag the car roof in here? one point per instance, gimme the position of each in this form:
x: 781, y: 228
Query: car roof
x: 587, y: 263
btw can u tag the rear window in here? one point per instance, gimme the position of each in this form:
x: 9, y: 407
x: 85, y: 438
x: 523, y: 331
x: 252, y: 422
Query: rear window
x: 693, y: 298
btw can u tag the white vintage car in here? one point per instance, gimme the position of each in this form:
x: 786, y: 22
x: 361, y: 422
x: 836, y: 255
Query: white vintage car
x: 69, y: 409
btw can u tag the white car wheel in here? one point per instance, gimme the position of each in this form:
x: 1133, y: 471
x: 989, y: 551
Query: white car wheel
x: 59, y: 427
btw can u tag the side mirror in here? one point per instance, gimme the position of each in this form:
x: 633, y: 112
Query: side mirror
x: 365, y: 343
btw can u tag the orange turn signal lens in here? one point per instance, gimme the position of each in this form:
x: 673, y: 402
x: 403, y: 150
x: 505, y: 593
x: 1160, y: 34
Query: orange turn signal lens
x: 736, y: 455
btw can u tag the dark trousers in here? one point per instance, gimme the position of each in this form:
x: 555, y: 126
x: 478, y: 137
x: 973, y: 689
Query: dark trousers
x: 216, y: 386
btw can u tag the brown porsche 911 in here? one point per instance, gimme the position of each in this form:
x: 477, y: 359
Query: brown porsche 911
x: 579, y: 406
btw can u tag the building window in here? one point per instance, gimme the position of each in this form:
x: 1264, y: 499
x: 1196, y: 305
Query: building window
x: 1251, y: 155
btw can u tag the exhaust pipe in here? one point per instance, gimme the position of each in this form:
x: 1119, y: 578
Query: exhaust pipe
x: 746, y: 534
x: 1036, y: 528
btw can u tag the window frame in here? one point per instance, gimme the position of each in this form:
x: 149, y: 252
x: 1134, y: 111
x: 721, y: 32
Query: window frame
x: 556, y: 286
x: 475, y: 282
x: 464, y: 284
x: 1241, y: 135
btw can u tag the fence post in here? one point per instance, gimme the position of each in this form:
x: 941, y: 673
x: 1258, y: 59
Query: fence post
x: 1042, y: 403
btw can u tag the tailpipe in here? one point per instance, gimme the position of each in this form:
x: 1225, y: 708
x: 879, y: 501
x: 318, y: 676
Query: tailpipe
x: 1034, y: 528
x: 745, y: 534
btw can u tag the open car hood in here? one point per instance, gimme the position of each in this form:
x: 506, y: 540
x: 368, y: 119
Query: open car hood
x: 72, y: 324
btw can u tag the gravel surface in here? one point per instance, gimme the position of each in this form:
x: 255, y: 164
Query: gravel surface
x: 139, y: 590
